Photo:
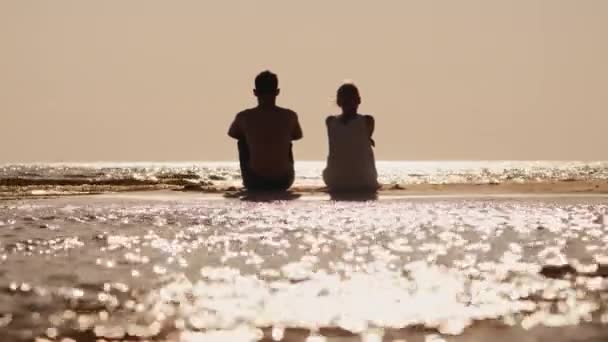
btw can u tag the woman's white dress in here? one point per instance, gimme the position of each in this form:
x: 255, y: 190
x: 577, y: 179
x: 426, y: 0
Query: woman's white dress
x: 351, y: 164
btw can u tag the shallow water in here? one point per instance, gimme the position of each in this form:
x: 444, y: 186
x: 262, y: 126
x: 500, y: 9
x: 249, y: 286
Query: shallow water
x: 307, y: 172
x: 190, y: 269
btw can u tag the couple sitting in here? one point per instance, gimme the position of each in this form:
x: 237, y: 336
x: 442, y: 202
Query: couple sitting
x: 265, y: 134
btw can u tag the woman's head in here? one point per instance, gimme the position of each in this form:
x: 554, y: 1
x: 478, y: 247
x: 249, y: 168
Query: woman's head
x: 348, y: 97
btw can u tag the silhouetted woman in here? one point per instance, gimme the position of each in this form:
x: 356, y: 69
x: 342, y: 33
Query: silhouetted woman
x: 351, y: 166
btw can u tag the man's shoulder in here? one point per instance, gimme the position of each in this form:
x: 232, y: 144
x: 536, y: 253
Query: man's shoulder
x: 287, y: 111
x: 245, y: 112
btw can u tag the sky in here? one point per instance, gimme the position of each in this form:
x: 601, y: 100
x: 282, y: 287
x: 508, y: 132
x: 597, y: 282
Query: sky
x: 149, y: 80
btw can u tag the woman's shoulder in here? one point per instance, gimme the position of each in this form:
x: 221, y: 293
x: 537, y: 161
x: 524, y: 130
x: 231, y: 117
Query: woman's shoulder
x: 368, y: 119
x: 331, y: 118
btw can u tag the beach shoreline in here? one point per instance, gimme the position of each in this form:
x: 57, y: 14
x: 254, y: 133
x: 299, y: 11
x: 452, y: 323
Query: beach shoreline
x: 598, y: 187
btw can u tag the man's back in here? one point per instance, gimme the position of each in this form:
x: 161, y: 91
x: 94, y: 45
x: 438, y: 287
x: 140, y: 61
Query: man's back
x: 268, y: 132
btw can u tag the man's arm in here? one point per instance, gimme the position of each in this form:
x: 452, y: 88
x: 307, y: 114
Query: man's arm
x: 235, y: 130
x: 371, y: 125
x: 296, y: 133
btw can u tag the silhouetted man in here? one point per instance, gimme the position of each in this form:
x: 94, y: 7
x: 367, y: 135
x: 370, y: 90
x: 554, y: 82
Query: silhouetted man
x: 264, y: 135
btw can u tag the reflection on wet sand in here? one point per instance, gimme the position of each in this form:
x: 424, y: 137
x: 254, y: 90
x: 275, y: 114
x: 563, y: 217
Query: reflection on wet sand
x: 354, y: 196
x: 44, y: 180
x: 185, y: 268
x: 263, y: 196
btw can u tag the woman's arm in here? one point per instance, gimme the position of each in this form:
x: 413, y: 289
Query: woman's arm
x: 328, y: 121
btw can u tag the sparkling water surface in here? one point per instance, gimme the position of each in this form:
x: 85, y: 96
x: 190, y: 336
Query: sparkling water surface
x: 309, y: 172
x: 171, y: 266
x: 188, y: 269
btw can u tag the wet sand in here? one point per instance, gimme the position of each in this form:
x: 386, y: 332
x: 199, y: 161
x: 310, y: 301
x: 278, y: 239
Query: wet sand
x: 232, y: 189
x: 424, y: 263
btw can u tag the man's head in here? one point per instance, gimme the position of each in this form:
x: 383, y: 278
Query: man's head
x: 266, y: 86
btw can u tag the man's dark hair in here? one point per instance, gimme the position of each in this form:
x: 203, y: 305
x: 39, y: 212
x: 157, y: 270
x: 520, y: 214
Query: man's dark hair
x: 266, y: 82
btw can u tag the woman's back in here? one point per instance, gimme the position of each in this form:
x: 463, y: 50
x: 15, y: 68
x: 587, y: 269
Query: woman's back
x: 350, y: 164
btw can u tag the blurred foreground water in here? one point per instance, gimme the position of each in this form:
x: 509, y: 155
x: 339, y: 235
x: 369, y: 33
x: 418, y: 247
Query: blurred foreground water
x: 174, y: 266
x: 178, y: 267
